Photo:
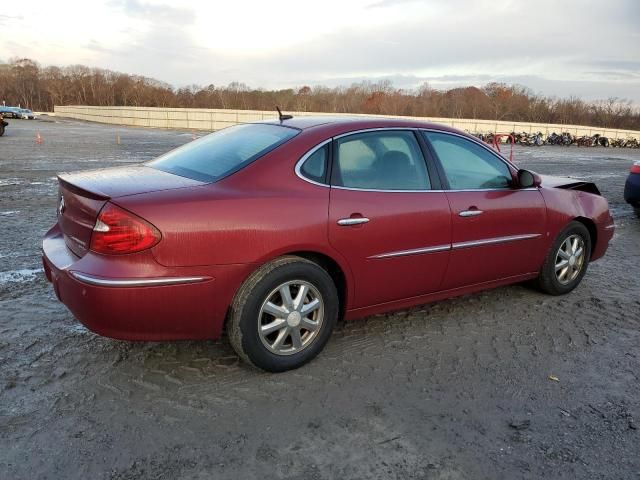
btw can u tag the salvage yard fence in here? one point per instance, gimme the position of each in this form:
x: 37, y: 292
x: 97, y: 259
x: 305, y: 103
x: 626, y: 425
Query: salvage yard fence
x: 216, y: 119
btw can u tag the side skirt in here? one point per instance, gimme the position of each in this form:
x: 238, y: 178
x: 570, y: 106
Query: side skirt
x: 434, y: 297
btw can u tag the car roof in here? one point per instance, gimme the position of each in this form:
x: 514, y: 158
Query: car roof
x: 355, y: 122
x: 337, y: 124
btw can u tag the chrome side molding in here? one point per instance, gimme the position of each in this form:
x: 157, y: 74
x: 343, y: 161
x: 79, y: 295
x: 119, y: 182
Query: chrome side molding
x: 134, y: 282
x: 455, y: 246
x: 490, y: 241
x: 414, y: 251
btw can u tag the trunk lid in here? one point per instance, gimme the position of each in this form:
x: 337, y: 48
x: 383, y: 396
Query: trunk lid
x: 83, y: 194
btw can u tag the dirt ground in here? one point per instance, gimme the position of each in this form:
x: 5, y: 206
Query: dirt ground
x: 454, y: 390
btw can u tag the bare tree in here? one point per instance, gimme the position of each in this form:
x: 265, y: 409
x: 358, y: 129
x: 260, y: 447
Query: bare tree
x: 24, y: 82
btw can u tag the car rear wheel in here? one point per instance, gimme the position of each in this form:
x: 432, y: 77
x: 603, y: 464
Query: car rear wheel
x: 567, y: 261
x: 283, y: 314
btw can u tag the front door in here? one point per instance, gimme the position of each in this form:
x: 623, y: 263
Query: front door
x: 385, y: 218
x: 497, y: 230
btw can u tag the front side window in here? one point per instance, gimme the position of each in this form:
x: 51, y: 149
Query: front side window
x: 469, y: 166
x: 222, y: 153
x: 380, y: 160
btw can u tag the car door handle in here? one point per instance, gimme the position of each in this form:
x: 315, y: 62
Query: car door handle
x: 345, y: 222
x: 470, y: 213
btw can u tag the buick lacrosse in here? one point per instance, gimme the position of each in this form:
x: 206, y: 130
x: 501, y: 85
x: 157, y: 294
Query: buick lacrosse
x: 275, y: 230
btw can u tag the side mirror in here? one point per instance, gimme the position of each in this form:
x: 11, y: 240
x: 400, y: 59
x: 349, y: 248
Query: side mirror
x: 527, y: 179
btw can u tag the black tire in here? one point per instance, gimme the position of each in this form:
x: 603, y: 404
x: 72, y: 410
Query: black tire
x: 243, y: 323
x: 548, y: 280
x: 1, y: 130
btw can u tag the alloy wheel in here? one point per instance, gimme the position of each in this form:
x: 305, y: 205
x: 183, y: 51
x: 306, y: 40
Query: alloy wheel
x: 569, y: 259
x: 291, y: 317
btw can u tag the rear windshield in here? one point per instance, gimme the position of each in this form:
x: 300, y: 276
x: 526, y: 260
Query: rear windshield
x: 222, y: 153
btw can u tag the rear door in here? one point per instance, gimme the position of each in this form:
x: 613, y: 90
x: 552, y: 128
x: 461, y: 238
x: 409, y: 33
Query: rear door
x: 497, y: 230
x: 386, y: 218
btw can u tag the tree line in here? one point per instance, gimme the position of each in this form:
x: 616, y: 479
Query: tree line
x: 25, y: 82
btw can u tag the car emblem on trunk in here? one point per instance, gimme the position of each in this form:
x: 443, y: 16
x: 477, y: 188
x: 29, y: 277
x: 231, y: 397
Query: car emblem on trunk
x: 61, y: 206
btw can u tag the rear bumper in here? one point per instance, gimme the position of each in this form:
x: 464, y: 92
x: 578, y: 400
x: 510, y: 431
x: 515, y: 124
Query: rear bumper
x: 110, y: 297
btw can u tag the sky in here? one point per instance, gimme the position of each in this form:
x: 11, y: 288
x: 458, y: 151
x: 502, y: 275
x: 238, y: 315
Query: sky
x: 589, y: 49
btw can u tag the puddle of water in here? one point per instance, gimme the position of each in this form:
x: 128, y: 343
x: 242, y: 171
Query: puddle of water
x: 9, y: 181
x: 19, y: 276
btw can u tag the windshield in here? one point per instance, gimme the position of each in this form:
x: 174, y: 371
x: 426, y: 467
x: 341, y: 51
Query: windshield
x: 222, y: 153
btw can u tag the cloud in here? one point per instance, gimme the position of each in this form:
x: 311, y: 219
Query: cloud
x: 390, y: 3
x: 562, y: 48
x: 154, y: 12
x: 7, y: 19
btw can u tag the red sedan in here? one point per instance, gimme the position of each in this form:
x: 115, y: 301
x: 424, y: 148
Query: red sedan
x: 277, y: 229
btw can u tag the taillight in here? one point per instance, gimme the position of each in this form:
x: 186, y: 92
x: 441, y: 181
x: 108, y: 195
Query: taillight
x: 118, y: 231
x: 635, y: 168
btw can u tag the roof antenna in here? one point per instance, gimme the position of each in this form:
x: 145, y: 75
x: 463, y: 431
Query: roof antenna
x: 282, y: 116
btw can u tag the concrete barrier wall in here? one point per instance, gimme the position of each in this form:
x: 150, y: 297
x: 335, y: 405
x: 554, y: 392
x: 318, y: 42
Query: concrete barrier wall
x: 216, y: 119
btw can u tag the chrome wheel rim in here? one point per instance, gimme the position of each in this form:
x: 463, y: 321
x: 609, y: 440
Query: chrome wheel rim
x: 290, y: 318
x: 569, y: 259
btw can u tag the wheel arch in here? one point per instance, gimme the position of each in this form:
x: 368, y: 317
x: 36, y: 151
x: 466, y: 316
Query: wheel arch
x: 591, y: 227
x: 337, y: 268
x: 335, y: 271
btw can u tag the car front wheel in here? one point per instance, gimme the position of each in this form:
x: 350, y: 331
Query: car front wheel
x: 567, y: 261
x: 283, y: 314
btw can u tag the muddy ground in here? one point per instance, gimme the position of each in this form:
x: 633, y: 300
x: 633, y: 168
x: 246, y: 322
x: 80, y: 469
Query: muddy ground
x: 455, y: 390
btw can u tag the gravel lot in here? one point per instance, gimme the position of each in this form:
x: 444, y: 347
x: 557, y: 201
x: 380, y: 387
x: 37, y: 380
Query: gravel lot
x: 455, y: 390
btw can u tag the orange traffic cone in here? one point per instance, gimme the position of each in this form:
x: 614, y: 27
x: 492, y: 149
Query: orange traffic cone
x: 39, y: 138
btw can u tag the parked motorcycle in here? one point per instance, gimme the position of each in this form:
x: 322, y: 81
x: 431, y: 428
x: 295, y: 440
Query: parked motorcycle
x: 600, y: 140
x: 567, y: 139
x: 532, y: 139
x: 632, y: 142
x: 585, y: 141
x: 554, y: 139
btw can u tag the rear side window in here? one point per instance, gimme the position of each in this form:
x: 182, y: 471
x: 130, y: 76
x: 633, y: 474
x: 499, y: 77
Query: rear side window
x: 469, y: 166
x: 315, y: 166
x: 224, y: 152
x: 380, y: 160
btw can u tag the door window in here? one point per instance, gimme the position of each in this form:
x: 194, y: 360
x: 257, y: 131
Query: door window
x: 380, y: 160
x: 469, y: 166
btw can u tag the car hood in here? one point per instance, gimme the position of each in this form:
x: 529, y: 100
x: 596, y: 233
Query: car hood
x: 124, y: 181
x: 568, y: 183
